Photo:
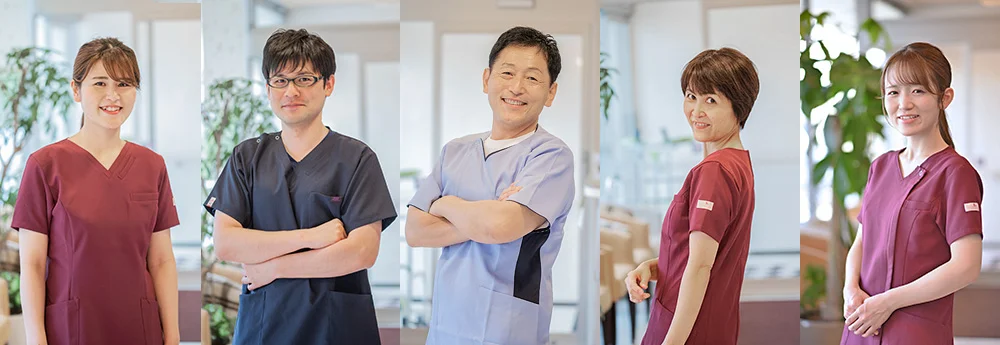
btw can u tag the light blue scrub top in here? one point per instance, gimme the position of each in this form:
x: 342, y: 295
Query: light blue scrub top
x: 499, y: 293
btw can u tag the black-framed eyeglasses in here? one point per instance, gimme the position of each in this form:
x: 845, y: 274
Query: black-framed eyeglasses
x: 300, y: 81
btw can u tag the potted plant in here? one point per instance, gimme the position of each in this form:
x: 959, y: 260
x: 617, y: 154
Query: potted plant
x: 34, y: 92
x: 854, y: 91
x: 231, y: 113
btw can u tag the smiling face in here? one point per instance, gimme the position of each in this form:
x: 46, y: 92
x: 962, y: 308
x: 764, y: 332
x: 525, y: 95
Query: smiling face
x: 518, y: 86
x: 912, y: 109
x: 294, y: 104
x: 106, y: 102
x: 710, y: 116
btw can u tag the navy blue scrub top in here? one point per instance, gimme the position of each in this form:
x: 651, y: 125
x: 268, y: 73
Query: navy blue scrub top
x: 263, y: 188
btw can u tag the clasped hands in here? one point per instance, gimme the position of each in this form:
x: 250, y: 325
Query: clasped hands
x: 865, y: 314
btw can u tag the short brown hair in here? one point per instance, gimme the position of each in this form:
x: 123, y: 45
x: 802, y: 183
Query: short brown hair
x: 725, y: 71
x: 921, y: 64
x: 118, y: 59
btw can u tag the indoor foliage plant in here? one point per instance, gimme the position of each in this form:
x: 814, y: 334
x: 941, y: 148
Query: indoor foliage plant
x: 854, y: 91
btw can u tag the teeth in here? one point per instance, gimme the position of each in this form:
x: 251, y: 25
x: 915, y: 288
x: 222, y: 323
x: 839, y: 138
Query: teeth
x: 513, y: 102
x: 700, y: 125
x: 908, y: 117
x: 112, y: 108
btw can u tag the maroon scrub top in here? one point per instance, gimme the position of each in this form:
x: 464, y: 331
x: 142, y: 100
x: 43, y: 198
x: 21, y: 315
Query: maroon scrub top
x: 99, y: 224
x: 717, y: 198
x: 908, y: 226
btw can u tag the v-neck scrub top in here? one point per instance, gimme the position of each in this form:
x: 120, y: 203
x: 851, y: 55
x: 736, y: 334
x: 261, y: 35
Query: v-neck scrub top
x: 499, y: 293
x: 909, y: 224
x: 99, y: 224
x: 263, y: 188
x: 717, y: 198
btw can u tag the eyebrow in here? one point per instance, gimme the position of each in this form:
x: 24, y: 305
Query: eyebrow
x: 508, y: 64
x: 702, y: 94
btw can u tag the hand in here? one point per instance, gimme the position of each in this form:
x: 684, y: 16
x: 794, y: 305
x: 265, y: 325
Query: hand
x: 509, y: 191
x: 327, y: 234
x: 869, y: 317
x: 258, y: 275
x: 435, y: 209
x: 637, y: 281
x: 853, y: 298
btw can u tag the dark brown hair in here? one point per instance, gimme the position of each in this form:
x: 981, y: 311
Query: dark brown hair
x: 921, y: 64
x: 725, y: 71
x: 118, y: 59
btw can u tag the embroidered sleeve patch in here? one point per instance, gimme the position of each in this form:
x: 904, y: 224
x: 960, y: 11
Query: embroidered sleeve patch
x: 210, y: 201
x: 972, y: 206
x: 705, y: 205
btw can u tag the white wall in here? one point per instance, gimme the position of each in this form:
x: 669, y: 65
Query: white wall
x: 984, y: 91
x: 16, y: 31
x: 176, y: 113
x: 417, y: 78
x: 226, y: 39
x: 665, y: 36
x: 382, y: 107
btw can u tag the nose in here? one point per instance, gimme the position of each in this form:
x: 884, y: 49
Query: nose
x: 905, y: 102
x: 112, y: 95
x: 291, y: 91
x: 516, y: 86
x: 697, y: 110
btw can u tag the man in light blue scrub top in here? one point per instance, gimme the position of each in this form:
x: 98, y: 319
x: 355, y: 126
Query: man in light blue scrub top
x: 497, y: 203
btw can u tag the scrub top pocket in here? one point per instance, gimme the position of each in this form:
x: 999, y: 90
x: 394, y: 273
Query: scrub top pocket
x: 250, y: 320
x: 511, y: 320
x: 63, y: 315
x: 352, y: 318
x: 151, y: 322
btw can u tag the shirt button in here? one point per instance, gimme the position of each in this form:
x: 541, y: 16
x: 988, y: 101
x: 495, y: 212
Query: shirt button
x: 277, y: 137
x: 921, y: 173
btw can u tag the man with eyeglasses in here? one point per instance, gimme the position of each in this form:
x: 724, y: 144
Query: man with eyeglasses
x: 303, y: 210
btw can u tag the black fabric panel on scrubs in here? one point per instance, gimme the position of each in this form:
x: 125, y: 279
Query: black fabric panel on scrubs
x: 528, y: 270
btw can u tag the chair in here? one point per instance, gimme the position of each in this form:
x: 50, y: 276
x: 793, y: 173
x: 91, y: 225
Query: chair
x: 623, y: 262
x: 607, y: 300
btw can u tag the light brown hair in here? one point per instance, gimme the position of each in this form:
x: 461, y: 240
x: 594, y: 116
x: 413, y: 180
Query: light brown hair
x: 725, y: 71
x: 118, y: 59
x: 921, y: 64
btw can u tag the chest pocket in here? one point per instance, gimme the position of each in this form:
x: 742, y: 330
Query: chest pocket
x: 142, y: 210
x: 321, y: 209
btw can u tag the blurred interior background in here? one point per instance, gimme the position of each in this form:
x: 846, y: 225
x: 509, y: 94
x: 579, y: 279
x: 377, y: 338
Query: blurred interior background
x: 364, y: 35
x: 48, y: 34
x: 647, y: 149
x: 445, y: 46
x: 860, y: 35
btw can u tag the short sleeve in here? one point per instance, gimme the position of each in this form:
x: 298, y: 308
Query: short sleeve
x: 367, y: 198
x: 166, y: 216
x: 864, y: 195
x: 710, y: 200
x: 960, y: 214
x: 430, y: 188
x: 546, y: 181
x: 231, y: 193
x: 33, y: 207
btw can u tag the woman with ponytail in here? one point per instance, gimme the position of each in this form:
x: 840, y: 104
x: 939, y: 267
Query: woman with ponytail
x: 94, y: 213
x: 922, y: 227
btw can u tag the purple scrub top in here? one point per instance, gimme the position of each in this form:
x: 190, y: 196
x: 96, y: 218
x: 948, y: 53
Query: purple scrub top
x: 99, y: 224
x: 909, y: 224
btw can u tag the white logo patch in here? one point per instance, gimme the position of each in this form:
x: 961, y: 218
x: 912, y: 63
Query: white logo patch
x: 705, y: 204
x: 972, y: 206
x: 210, y: 201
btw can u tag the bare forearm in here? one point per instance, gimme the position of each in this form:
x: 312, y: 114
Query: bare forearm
x: 357, y: 252
x: 164, y: 276
x: 249, y: 246
x: 33, y: 302
x: 485, y: 221
x: 426, y: 230
x: 939, y: 282
x: 654, y: 270
x: 852, y: 270
x: 694, y: 282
